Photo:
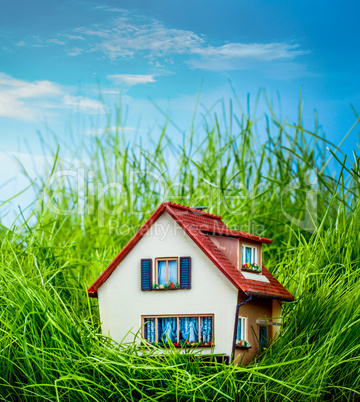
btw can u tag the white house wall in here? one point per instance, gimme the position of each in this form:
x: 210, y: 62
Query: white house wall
x: 122, y: 302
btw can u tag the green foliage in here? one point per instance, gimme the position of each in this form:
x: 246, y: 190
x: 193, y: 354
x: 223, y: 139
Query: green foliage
x: 50, y: 339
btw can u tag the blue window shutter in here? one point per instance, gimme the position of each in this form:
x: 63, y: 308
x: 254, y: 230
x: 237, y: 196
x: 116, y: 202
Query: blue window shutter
x: 146, y: 274
x: 185, y: 272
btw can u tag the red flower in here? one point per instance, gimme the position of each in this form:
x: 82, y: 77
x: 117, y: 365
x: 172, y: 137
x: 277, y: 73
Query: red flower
x: 172, y: 285
x: 253, y: 263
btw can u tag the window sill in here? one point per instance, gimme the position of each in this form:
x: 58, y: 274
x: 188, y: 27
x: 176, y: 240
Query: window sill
x: 253, y: 271
x: 166, y: 286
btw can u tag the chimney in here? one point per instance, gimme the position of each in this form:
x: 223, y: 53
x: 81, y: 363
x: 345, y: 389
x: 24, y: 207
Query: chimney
x: 201, y: 208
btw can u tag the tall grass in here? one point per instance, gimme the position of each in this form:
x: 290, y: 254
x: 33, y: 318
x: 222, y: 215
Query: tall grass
x: 50, y: 339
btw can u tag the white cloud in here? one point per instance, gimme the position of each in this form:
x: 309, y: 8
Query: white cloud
x: 255, y: 51
x: 22, y: 99
x: 56, y: 41
x: 129, y: 36
x: 74, y: 37
x: 100, y: 132
x: 126, y: 38
x: 84, y: 104
x: 112, y: 9
x: 131, y: 79
x: 238, y: 56
x: 74, y: 51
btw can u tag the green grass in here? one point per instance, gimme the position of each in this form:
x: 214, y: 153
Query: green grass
x: 50, y: 339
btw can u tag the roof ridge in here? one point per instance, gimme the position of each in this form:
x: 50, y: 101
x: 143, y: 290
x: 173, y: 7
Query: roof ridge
x: 192, y: 209
x: 236, y: 233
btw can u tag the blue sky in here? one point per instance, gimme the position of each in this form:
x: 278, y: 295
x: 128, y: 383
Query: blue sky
x: 55, y: 55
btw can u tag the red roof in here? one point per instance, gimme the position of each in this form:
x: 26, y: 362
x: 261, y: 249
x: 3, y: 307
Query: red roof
x: 197, y: 224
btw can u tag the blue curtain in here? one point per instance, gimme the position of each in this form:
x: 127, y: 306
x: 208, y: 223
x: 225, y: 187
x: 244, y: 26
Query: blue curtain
x: 167, y: 328
x: 149, y: 329
x: 238, y: 331
x: 248, y: 254
x: 162, y: 272
x: 189, y: 329
x: 173, y: 271
x: 206, y: 329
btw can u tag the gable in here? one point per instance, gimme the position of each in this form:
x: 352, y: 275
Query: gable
x: 166, y: 240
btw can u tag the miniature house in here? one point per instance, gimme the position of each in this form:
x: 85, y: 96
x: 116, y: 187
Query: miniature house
x: 186, y: 278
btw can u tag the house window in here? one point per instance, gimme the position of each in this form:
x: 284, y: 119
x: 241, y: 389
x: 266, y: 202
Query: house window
x: 194, y: 330
x: 166, y: 271
x: 241, y: 330
x: 262, y: 337
x: 250, y: 260
x: 249, y: 254
x: 241, y: 334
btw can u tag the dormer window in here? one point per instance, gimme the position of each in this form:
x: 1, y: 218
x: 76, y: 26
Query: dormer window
x: 250, y: 259
x: 249, y: 254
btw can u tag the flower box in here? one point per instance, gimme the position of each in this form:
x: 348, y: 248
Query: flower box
x: 251, y: 268
x: 167, y: 286
x: 243, y: 344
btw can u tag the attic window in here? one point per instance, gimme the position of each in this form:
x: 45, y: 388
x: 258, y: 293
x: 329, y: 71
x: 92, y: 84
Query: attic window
x: 249, y: 254
x: 249, y: 259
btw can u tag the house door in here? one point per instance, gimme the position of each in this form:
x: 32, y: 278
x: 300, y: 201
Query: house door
x: 262, y: 337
